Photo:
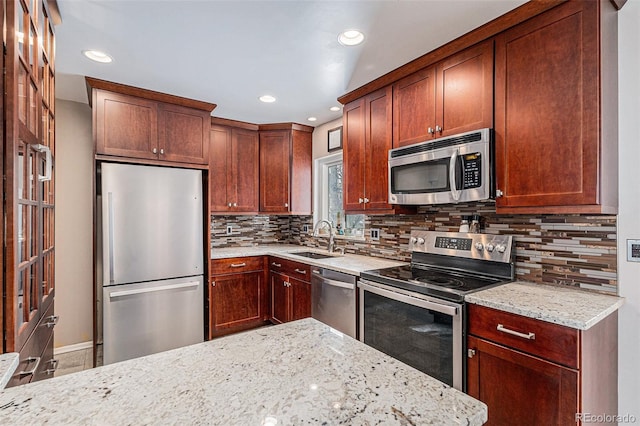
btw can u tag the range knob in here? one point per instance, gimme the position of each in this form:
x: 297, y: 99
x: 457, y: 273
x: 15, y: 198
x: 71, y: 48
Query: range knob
x: 490, y: 247
x: 413, y: 240
x: 501, y: 248
x: 479, y: 246
x: 420, y: 240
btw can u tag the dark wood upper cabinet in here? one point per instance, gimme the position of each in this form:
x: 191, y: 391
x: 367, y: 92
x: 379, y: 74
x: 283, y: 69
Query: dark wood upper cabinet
x: 450, y: 97
x: 556, y: 112
x: 285, y: 168
x: 142, y: 124
x: 233, y: 168
x: 367, y: 135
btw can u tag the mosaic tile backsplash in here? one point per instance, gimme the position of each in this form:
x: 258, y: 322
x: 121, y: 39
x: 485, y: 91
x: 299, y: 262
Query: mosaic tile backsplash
x: 571, y: 250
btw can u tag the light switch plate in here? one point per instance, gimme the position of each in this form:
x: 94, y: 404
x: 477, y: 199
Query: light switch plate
x: 375, y: 234
x: 229, y: 229
x: 633, y: 250
x: 305, y: 228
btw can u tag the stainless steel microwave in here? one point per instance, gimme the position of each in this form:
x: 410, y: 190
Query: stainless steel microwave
x: 447, y: 170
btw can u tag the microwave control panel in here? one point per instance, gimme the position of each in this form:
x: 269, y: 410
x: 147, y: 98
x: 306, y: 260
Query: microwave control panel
x: 471, y: 169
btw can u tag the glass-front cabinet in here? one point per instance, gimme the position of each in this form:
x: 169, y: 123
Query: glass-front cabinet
x: 28, y: 166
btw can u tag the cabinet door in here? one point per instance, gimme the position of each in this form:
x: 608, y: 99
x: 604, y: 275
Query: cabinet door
x: 354, y: 155
x: 126, y: 126
x: 378, y: 143
x: 220, y: 176
x: 521, y: 389
x: 244, y: 170
x: 300, y: 299
x: 280, y: 298
x: 183, y: 134
x: 274, y: 171
x: 236, y: 300
x: 414, y: 102
x: 464, y: 91
x: 547, y: 115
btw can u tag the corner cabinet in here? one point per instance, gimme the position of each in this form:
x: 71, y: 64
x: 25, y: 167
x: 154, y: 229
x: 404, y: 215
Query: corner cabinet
x: 453, y: 96
x: 234, y: 167
x: 141, y: 124
x: 531, y: 372
x: 28, y: 165
x: 556, y: 112
x: 367, y: 139
x: 285, y: 168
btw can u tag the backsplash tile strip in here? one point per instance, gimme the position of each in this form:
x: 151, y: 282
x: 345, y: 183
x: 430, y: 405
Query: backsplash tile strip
x: 571, y: 250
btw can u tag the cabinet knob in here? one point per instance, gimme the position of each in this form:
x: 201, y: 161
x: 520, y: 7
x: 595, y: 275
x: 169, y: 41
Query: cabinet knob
x: 438, y: 129
x: 155, y: 151
x: 286, y: 204
x: 430, y: 130
x: 228, y: 204
x: 235, y: 204
x: 471, y: 353
x: 366, y: 200
x: 360, y: 200
x: 162, y: 151
x: 499, y: 193
x: 213, y: 283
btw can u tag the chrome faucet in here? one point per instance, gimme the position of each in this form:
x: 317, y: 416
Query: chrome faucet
x: 315, y: 233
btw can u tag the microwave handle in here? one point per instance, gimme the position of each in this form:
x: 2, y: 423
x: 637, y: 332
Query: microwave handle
x: 455, y: 192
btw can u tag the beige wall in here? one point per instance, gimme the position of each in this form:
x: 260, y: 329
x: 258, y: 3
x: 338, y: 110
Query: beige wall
x: 320, y: 138
x: 74, y: 224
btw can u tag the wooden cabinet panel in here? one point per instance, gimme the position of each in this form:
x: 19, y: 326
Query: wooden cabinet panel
x: 519, y: 388
x: 464, y: 97
x: 549, y: 141
x: 378, y: 137
x: 233, y: 170
x: 183, y: 134
x: 290, y: 290
x: 553, y: 342
x: 414, y: 103
x: 300, y: 185
x: 125, y: 126
x: 274, y: 171
x: 280, y: 298
x: 354, y: 154
x: 300, y: 299
x: 453, y: 96
x: 238, y: 295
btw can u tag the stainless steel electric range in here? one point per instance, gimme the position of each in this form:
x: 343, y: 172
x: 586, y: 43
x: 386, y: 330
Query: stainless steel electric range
x: 416, y: 313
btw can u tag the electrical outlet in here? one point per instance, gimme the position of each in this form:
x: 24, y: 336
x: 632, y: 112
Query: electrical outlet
x: 374, y: 233
x: 633, y: 250
x: 229, y: 229
x: 305, y: 228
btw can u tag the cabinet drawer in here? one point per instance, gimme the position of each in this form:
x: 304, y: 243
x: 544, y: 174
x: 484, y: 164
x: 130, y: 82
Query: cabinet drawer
x: 553, y: 342
x: 290, y: 268
x: 236, y: 265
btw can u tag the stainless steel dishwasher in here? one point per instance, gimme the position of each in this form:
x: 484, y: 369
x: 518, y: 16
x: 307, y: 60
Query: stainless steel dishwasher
x: 333, y: 299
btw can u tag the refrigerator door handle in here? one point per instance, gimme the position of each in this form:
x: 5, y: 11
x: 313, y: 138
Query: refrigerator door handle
x: 122, y: 293
x: 110, y: 213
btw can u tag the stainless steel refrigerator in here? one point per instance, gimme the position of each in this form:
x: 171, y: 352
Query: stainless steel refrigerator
x: 151, y: 269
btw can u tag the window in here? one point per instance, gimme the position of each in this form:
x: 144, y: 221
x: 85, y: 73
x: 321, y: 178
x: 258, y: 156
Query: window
x: 328, y: 198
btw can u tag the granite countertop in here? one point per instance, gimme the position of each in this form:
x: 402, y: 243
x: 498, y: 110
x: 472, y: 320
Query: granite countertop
x: 295, y: 373
x: 348, y: 263
x: 570, y: 307
x: 8, y: 364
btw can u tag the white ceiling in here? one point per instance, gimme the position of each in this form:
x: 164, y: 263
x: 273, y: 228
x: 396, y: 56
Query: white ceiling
x: 231, y: 52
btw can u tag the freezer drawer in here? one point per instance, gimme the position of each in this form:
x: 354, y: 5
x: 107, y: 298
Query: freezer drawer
x: 142, y: 319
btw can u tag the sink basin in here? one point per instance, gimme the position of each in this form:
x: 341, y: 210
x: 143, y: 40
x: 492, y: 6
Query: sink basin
x: 311, y: 254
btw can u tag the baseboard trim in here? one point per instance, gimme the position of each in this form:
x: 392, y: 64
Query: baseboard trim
x: 71, y: 348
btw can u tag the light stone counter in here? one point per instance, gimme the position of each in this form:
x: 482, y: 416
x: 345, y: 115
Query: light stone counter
x: 570, y: 307
x: 294, y: 373
x: 349, y: 263
x: 8, y: 364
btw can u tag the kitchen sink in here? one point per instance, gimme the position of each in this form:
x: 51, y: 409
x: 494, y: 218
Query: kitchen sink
x: 311, y: 254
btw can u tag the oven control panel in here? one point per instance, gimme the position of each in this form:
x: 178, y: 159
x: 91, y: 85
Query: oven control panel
x: 496, y: 248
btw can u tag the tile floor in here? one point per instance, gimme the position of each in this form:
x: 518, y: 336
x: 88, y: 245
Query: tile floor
x: 72, y: 362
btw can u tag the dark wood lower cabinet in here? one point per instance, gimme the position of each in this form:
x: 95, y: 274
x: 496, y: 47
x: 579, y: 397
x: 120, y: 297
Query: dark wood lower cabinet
x: 280, y: 299
x: 290, y: 290
x: 300, y: 299
x: 238, y: 298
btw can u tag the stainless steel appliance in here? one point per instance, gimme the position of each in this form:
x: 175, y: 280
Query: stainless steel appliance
x: 333, y: 299
x: 447, y: 170
x: 416, y: 313
x: 151, y: 229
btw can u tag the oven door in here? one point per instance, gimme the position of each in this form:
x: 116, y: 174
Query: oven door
x: 422, y: 332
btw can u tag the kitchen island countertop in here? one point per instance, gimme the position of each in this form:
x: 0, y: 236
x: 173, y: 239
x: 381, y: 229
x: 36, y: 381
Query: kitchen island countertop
x: 295, y: 373
x: 8, y: 364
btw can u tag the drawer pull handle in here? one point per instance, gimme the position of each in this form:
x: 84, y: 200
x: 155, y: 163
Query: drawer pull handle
x: 238, y: 265
x: 29, y: 360
x: 529, y: 336
x: 300, y: 271
x: 278, y: 265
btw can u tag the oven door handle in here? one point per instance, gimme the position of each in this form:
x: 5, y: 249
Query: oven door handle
x: 453, y: 163
x: 434, y: 306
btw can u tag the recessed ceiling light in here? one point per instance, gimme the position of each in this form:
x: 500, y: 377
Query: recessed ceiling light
x: 312, y: 119
x: 334, y: 108
x: 350, y: 37
x: 267, y: 99
x: 97, y: 56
